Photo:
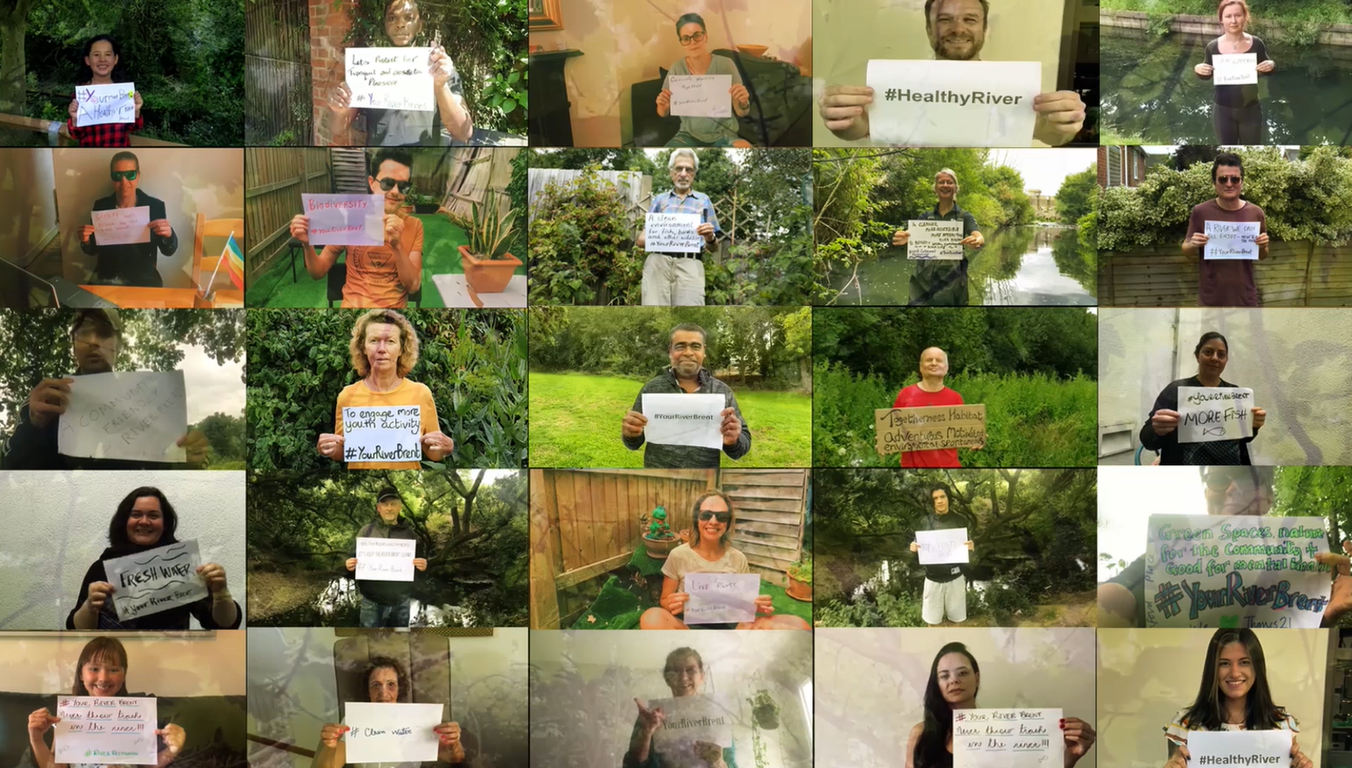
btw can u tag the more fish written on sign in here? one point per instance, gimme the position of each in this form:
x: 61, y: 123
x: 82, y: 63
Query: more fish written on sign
x: 1208, y: 414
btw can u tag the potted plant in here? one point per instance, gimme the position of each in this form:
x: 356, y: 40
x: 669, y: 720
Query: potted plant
x: 764, y: 710
x: 658, y: 538
x: 424, y: 203
x: 488, y: 267
x: 800, y: 579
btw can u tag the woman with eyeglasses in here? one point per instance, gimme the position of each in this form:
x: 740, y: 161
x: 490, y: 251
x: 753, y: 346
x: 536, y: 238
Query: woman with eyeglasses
x: 684, y: 675
x: 1160, y: 431
x: 102, y: 67
x: 699, y: 60
x: 1236, y: 112
x: 954, y: 680
x: 709, y: 551
x: 1233, y: 696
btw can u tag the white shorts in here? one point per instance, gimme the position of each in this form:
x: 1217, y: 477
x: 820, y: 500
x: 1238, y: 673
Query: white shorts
x: 948, y: 597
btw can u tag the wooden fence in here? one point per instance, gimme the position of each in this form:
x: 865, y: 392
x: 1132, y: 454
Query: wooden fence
x: 273, y: 182
x: 1295, y: 274
x: 278, y: 98
x: 636, y: 187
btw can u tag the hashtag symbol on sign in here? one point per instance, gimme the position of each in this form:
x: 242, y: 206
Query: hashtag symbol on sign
x: 1167, y: 598
x: 893, y: 94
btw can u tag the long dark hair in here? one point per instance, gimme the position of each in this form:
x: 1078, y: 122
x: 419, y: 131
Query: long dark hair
x: 104, y: 647
x: 118, y: 75
x: 931, y: 749
x: 117, y: 529
x: 1208, y: 712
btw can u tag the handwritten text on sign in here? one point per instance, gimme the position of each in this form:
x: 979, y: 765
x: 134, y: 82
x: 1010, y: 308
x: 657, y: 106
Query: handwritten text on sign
x: 1008, y: 738
x: 689, y: 719
x: 1249, y: 749
x: 345, y: 219
x: 1231, y: 240
x: 1235, y: 571
x: 934, y: 239
x: 385, y: 559
x: 1208, y: 414
x: 104, y: 104
x: 947, y: 545
x: 700, y: 95
x: 929, y: 428
x: 721, y: 597
x: 106, y: 730
x: 122, y: 226
x: 391, y: 78
x: 391, y: 733
x: 137, y: 416
x: 156, y: 580
x: 386, y: 433
x: 673, y: 233
x: 953, y: 103
x: 1234, y: 69
x: 684, y: 419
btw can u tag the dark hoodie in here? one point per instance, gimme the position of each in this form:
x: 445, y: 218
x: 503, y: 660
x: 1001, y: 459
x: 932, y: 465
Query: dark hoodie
x: 172, y: 618
x: 385, y: 592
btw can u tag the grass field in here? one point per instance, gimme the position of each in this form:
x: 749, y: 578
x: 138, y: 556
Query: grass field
x: 575, y: 422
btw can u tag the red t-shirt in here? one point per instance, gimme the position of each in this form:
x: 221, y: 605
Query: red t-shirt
x: 915, y: 397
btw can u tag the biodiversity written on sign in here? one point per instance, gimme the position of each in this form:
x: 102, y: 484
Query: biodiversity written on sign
x: 1240, y: 749
x: 1007, y: 738
x: 1208, y: 414
x: 1235, y: 571
x: 391, y: 732
x: 684, y: 419
x: 156, y: 580
x: 385, y: 559
x: 345, y: 219
x: 136, y: 415
x: 929, y: 428
x: 105, y: 104
x: 953, y: 103
x: 720, y: 598
x: 934, y: 239
x: 391, y: 78
x: 672, y: 233
x: 105, y: 730
x: 688, y: 720
x: 700, y: 95
x: 122, y: 226
x: 1234, y: 69
x: 946, y: 545
x: 382, y: 434
x: 1231, y: 240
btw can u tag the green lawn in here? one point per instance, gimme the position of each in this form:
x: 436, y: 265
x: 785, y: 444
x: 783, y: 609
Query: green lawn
x: 575, y: 422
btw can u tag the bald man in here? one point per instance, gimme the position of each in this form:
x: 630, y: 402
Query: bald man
x: 930, y: 390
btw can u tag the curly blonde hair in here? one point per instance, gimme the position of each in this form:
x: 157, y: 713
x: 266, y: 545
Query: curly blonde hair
x: 408, y: 341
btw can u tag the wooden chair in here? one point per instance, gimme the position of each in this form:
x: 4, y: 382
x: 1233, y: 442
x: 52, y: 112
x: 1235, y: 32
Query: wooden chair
x: 203, y: 267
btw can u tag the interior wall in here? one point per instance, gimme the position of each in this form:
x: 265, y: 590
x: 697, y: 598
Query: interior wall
x: 162, y: 664
x: 27, y: 205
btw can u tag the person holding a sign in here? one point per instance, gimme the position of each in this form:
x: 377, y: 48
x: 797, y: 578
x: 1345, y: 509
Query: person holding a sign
x: 684, y: 675
x: 130, y: 263
x: 698, y: 130
x: 386, y: 603
x: 1226, y: 281
x: 945, y: 594
x: 1239, y: 58
x: 1233, y: 696
x: 687, y: 374
x: 930, y: 391
x: 377, y: 276
x: 384, y: 349
x: 1161, y: 429
x: 101, y: 67
x: 943, y: 282
x: 676, y: 278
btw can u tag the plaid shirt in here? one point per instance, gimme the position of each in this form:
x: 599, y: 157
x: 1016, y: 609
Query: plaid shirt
x: 695, y: 202
x: 107, y: 135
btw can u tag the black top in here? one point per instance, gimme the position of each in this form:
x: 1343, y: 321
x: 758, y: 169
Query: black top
x: 385, y: 592
x: 1133, y: 578
x: 134, y: 263
x: 1237, y: 95
x: 944, y: 572
x: 173, y: 618
x: 1220, y: 452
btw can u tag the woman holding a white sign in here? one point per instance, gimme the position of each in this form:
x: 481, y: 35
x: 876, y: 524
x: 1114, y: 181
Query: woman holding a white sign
x: 942, y: 281
x: 101, y: 67
x: 684, y: 675
x: 1233, y: 696
x: 1237, y: 113
x: 701, y: 123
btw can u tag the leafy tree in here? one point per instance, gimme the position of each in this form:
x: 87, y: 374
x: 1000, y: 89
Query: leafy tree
x: 226, y: 435
x: 1188, y: 155
x: 607, y: 159
x: 1072, y: 199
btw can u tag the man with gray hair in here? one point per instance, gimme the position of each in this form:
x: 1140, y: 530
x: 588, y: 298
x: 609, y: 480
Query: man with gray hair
x: 943, y: 282
x: 677, y: 279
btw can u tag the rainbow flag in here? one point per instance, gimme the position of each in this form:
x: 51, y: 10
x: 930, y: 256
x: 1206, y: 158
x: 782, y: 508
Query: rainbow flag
x: 234, y: 261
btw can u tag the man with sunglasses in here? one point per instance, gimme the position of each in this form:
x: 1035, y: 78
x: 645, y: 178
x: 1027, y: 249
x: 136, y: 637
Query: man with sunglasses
x: 1225, y: 282
x: 131, y: 263
x: 677, y: 279
x: 378, y: 277
x: 687, y: 374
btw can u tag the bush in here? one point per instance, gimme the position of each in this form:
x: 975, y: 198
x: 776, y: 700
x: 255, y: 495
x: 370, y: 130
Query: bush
x: 887, y: 610
x: 580, y: 245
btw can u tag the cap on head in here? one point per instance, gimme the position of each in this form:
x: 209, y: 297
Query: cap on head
x: 387, y: 492
x: 108, y: 317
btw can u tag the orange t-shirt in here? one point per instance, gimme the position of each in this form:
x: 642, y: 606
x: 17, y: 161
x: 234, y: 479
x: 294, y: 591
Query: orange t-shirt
x: 407, y: 393
x: 373, y: 278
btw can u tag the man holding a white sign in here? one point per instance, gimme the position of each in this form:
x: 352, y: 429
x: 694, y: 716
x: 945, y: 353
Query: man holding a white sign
x: 942, y: 282
x: 386, y: 603
x: 672, y: 277
x: 1225, y: 269
x: 705, y: 90
x: 1233, y: 62
x: 945, y: 585
x: 128, y: 258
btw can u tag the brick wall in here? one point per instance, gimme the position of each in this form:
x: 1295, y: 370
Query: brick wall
x: 1103, y: 167
x: 328, y: 29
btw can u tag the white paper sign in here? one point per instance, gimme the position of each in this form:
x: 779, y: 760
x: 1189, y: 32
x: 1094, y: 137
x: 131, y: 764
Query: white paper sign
x: 684, y: 419
x: 345, y: 219
x: 391, y: 733
x: 122, y: 226
x: 934, y: 239
x: 1008, y: 738
x: 385, y: 559
x: 1252, y: 749
x: 1231, y: 240
x: 1234, y: 69
x: 720, y: 598
x: 1235, y: 571
x: 672, y: 233
x: 104, y: 104
x: 689, y: 719
x: 1208, y: 414
x: 700, y: 95
x: 382, y: 434
x: 156, y: 580
x: 136, y: 416
x: 106, y: 730
x: 391, y: 78
x: 947, y: 545
x: 953, y: 103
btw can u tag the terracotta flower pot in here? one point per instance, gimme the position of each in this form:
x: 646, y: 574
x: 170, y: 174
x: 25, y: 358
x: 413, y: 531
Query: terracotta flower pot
x: 488, y: 275
x: 659, y: 549
x: 799, y: 590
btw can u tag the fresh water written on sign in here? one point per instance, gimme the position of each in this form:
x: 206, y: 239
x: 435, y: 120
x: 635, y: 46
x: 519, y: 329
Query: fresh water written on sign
x: 1234, y: 69
x: 137, y: 416
x: 934, y: 239
x: 672, y: 233
x: 1008, y: 738
x: 122, y: 226
x: 690, y: 719
x: 1240, y: 749
x: 1208, y: 414
x: 105, y: 104
x: 719, y: 598
x: 1235, y: 571
x: 684, y: 419
x: 345, y: 219
x: 391, y: 78
x: 929, y: 428
x: 385, y: 559
x: 156, y: 580
x: 700, y: 95
x: 382, y: 434
x: 953, y: 103
x: 947, y: 545
x: 391, y: 733
x: 1231, y: 240
x: 106, y: 730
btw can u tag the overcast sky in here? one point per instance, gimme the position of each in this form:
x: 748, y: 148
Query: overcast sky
x: 1045, y: 169
x: 211, y: 388
x: 1128, y: 496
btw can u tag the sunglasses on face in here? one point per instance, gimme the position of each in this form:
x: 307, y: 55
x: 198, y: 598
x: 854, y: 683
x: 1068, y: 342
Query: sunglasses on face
x: 128, y: 175
x: 1229, y: 179
x: 388, y: 184
x: 723, y: 517
x: 1218, y: 478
